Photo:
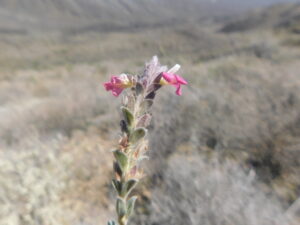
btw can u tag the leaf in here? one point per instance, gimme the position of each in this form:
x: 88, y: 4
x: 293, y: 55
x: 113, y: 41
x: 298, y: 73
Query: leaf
x: 139, y: 88
x: 151, y: 95
x: 137, y: 135
x: 111, y: 222
x: 120, y: 207
x: 146, y: 105
x: 127, y: 116
x: 117, y: 185
x: 117, y: 169
x: 124, y: 127
x: 129, y: 185
x: 121, y: 158
x: 130, y: 206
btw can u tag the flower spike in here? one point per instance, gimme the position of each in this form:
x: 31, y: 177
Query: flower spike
x: 136, y: 117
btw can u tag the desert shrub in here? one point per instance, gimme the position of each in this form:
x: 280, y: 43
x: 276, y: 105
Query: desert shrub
x: 200, y: 190
x: 60, y: 181
x: 31, y: 183
x: 252, y: 114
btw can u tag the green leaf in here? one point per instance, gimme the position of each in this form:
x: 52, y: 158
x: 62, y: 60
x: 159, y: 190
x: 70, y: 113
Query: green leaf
x: 117, y: 185
x: 129, y: 185
x: 111, y: 222
x: 127, y: 116
x: 130, y: 206
x: 120, y: 207
x: 121, y: 158
x: 137, y: 135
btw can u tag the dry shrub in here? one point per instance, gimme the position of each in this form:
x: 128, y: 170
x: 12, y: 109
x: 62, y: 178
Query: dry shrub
x: 56, y: 182
x: 200, y: 190
x: 250, y: 113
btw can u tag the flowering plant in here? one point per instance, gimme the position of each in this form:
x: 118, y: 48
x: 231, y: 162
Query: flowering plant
x: 132, y: 148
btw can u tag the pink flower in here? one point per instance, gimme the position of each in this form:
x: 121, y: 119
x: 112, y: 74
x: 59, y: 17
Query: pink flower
x: 173, y: 79
x: 118, y: 83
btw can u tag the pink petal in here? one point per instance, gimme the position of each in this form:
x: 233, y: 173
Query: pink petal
x: 115, y: 79
x: 108, y: 86
x: 180, y: 80
x: 168, y: 77
x: 178, y: 90
x: 117, y: 91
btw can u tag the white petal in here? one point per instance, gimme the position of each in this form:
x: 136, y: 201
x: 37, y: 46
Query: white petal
x: 124, y: 78
x: 174, y: 69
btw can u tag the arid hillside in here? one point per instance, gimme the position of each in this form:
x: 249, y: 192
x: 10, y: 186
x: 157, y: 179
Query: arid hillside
x: 225, y: 152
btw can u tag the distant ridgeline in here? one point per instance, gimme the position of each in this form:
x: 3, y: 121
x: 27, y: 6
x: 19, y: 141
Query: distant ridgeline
x: 19, y: 16
x: 281, y: 16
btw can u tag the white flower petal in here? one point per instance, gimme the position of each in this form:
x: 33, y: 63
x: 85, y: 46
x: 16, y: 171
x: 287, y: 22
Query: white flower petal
x: 174, y: 69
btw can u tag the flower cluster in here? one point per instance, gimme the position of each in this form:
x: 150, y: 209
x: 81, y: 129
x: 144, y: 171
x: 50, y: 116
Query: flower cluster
x: 132, y: 147
x: 118, y: 83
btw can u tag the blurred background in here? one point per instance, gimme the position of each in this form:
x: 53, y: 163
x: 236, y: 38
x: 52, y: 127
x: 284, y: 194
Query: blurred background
x: 224, y: 153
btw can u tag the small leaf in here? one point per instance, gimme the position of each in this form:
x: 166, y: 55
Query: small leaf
x: 151, y: 95
x: 137, y: 135
x: 129, y: 185
x: 111, y: 222
x: 120, y: 207
x: 117, y: 185
x: 139, y: 88
x: 127, y: 116
x: 130, y: 206
x: 146, y: 105
x: 121, y: 158
x: 117, y: 169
